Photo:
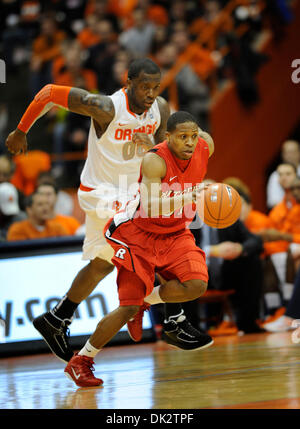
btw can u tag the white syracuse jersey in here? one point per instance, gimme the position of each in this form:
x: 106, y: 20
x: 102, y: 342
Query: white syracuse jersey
x: 113, y: 159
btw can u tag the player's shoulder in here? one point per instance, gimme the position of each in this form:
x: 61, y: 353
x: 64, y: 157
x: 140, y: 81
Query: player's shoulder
x: 153, y: 164
x: 163, y: 106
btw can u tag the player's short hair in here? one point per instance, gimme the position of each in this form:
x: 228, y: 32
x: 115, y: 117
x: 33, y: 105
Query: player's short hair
x: 179, y: 118
x: 142, y: 64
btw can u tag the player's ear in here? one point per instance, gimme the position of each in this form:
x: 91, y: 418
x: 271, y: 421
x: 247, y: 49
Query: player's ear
x: 167, y: 134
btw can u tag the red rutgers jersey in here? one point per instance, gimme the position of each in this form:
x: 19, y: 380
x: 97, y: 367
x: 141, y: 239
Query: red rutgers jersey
x: 181, y: 176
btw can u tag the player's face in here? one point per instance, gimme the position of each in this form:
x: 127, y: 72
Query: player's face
x: 142, y: 91
x: 183, y: 141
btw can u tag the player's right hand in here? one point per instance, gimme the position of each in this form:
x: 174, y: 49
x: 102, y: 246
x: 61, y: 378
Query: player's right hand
x: 16, y: 142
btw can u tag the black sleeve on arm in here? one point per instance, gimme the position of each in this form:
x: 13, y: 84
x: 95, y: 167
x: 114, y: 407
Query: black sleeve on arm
x: 238, y: 233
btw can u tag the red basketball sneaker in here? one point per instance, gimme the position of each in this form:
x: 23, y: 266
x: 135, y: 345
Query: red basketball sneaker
x: 80, y: 370
x: 135, y: 325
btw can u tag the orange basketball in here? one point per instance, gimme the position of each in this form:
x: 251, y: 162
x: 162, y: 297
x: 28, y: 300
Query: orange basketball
x: 219, y: 206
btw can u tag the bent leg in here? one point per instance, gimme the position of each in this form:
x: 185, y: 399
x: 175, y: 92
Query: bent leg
x: 110, y: 325
x: 88, y: 278
x: 175, y: 291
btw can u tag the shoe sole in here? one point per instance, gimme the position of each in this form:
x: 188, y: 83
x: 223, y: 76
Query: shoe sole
x: 173, y: 344
x: 58, y: 357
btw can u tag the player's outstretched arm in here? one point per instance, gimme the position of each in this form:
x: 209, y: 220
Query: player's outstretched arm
x: 76, y: 100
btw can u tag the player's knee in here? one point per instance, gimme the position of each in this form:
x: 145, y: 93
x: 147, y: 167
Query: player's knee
x: 130, y: 310
x: 195, y: 288
x: 99, y: 267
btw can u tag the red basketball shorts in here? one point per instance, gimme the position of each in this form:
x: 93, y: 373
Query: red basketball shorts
x: 138, y: 254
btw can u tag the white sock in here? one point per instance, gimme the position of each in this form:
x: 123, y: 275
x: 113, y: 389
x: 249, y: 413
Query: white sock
x: 154, y: 297
x: 89, y: 350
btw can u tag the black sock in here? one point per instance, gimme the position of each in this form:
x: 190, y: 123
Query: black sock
x: 65, y: 308
x: 172, y: 309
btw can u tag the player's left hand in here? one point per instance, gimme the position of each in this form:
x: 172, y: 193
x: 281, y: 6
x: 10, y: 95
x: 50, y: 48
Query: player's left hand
x: 142, y: 139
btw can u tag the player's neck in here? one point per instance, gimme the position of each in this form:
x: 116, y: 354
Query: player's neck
x: 132, y: 106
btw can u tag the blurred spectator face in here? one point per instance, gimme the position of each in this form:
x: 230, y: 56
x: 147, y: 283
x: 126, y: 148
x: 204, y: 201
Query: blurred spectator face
x: 179, y: 26
x: 181, y: 40
x: 49, y: 193
x: 48, y: 27
x: 100, y: 7
x: 105, y: 30
x: 212, y: 9
x: 295, y: 188
x: 119, y: 71
x: 166, y: 57
x: 6, y: 170
x: 287, y: 175
x: 291, y: 152
x: 178, y: 9
x: 73, y: 61
x: 40, y: 211
x: 139, y: 19
x: 245, y: 210
x: 92, y: 22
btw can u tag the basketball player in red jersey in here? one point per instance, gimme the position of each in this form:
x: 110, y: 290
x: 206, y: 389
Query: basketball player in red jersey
x: 151, y: 235
x: 123, y: 127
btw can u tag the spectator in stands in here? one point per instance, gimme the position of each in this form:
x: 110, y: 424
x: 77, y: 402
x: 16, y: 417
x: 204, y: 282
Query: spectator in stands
x: 112, y: 10
x: 193, y: 94
x: 64, y: 202
x: 101, y: 55
x: 50, y: 191
x: 234, y: 263
x: 74, y: 74
x: 290, y: 152
x: 7, y: 170
x: 38, y: 224
x: 3, y: 122
x: 201, y: 60
x: 89, y: 36
x: 137, y: 40
x: 119, y: 72
x: 9, y: 208
x: 45, y: 48
x: 242, y: 63
x: 277, y: 263
x: 292, y: 313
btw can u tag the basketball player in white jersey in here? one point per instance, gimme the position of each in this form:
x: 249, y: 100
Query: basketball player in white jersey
x: 123, y: 127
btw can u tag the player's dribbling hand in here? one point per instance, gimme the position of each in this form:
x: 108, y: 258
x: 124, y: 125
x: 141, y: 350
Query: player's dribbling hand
x: 198, y: 190
x: 16, y: 142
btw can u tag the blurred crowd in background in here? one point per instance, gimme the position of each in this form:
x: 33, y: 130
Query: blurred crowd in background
x: 89, y: 44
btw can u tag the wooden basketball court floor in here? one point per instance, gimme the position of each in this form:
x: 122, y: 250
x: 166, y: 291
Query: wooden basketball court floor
x: 249, y: 372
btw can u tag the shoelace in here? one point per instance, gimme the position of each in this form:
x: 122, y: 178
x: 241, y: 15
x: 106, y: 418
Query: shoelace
x: 188, y: 329
x: 88, y: 366
x: 64, y: 331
